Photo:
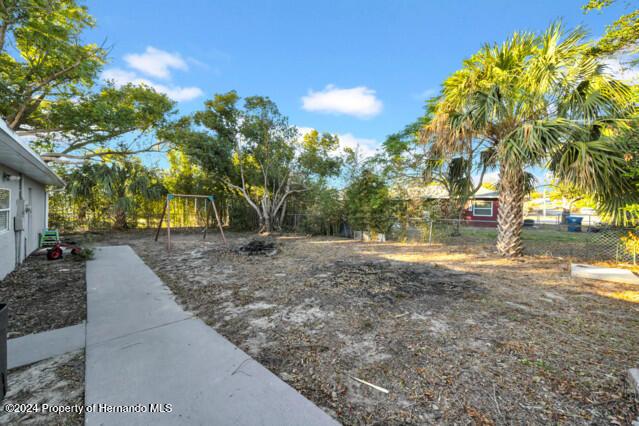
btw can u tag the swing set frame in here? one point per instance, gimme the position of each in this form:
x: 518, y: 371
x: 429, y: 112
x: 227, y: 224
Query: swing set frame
x: 167, y: 212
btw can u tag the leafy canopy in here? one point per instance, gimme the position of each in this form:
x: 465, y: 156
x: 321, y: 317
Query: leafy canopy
x: 622, y: 36
x: 368, y: 202
x: 541, y: 101
x: 253, y: 151
x: 49, y: 90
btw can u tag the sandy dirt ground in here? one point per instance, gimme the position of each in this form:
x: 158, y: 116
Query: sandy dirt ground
x: 455, y: 335
x: 56, y: 381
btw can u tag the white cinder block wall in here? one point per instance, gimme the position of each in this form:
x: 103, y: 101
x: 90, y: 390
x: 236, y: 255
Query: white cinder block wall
x: 34, y: 221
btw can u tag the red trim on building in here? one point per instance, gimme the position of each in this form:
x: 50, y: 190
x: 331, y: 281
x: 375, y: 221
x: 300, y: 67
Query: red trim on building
x: 482, y: 219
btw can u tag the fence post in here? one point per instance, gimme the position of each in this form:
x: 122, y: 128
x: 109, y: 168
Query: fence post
x: 430, y: 233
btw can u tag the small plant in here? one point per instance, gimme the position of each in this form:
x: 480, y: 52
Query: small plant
x: 631, y: 243
x: 85, y: 254
x: 538, y: 363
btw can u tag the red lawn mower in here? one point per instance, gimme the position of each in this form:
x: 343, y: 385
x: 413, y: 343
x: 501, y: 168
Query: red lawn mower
x: 57, y: 250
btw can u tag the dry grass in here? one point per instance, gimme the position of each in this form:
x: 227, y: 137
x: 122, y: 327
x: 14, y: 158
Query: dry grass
x: 456, y: 335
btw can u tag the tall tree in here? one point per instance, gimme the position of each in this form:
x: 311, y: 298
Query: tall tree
x: 254, y: 151
x: 537, y: 101
x: 368, y: 202
x: 112, y: 121
x: 49, y: 58
x: 48, y: 90
x: 461, y: 174
x: 411, y: 158
x: 622, y: 36
x: 121, y: 187
x: 114, y: 191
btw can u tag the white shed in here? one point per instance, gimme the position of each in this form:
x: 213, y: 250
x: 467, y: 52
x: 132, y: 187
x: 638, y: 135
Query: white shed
x: 24, y: 178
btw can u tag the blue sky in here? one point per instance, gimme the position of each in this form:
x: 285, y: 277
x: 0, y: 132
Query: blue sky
x: 361, y: 69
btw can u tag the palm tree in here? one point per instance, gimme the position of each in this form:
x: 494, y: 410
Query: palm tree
x: 124, y: 186
x: 81, y: 183
x: 536, y: 100
x: 127, y: 184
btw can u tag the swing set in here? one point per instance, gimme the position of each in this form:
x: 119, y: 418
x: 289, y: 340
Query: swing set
x: 209, y: 202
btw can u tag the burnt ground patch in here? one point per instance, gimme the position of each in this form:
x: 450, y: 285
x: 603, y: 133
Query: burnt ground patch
x: 258, y: 247
x: 389, y: 282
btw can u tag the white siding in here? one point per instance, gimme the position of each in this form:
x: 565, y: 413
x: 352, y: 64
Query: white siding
x: 34, y: 222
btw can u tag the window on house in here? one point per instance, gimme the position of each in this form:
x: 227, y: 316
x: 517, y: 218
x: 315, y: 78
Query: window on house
x: 5, y: 209
x: 482, y: 208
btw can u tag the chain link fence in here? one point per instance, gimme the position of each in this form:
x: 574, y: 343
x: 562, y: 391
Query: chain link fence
x: 67, y: 216
x: 585, y: 242
x: 601, y: 242
x: 588, y: 241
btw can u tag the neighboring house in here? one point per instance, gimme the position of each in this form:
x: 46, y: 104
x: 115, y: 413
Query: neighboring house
x: 23, y: 199
x: 481, y: 209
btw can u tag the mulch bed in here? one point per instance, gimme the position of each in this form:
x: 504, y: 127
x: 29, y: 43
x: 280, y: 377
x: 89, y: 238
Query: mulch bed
x: 44, y: 295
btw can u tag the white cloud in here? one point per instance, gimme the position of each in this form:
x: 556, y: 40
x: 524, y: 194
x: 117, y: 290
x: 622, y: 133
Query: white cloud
x: 155, y: 62
x: 178, y: 93
x: 621, y: 70
x: 358, y: 101
x: 121, y: 77
x: 365, y: 147
x: 303, y: 131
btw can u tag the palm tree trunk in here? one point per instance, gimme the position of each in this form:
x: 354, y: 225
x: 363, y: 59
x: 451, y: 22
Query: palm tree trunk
x: 511, y: 211
x: 121, y: 219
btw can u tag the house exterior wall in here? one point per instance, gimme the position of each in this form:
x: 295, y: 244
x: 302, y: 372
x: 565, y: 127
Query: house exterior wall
x: 16, y: 246
x: 482, y: 220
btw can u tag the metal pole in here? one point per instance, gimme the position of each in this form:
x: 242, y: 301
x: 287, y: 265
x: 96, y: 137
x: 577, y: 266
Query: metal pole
x: 157, y: 233
x: 217, y: 217
x: 206, y: 227
x: 430, y: 233
x: 168, y: 222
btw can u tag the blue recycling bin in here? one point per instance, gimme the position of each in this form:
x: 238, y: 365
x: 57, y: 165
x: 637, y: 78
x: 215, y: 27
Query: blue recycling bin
x: 574, y: 223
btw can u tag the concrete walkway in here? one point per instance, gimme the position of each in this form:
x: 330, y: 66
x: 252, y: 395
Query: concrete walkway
x: 36, y: 347
x: 143, y: 348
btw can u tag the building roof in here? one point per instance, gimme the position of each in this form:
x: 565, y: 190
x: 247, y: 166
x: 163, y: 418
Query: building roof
x: 486, y: 193
x: 431, y: 192
x: 17, y: 155
x: 438, y: 192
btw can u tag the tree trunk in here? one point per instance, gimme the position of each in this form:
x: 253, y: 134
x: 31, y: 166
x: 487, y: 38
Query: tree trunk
x: 282, y: 215
x: 457, y: 222
x: 267, y: 225
x: 511, y: 211
x: 120, y: 219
